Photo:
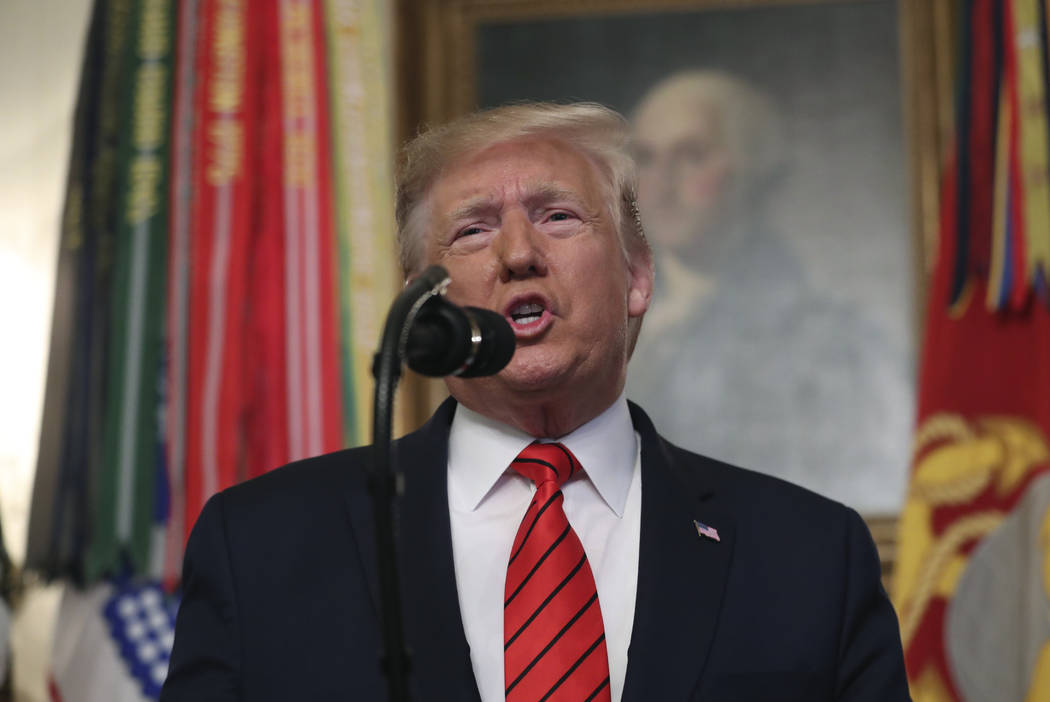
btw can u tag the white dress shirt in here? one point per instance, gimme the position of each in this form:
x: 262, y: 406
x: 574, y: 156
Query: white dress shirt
x: 487, y: 501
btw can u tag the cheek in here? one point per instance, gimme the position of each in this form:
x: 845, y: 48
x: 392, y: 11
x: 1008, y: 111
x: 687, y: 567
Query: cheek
x: 468, y: 286
x: 593, y: 262
x: 704, y: 184
x: 466, y: 293
x: 604, y: 282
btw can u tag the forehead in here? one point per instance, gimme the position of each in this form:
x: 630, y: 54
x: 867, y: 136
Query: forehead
x: 516, y: 169
x: 673, y: 117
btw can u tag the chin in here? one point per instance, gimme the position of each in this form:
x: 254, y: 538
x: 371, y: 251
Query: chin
x: 532, y: 372
x: 531, y: 378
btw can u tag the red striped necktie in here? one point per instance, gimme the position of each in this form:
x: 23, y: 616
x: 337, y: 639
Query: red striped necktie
x: 554, y: 639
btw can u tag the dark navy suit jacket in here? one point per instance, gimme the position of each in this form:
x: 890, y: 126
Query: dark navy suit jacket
x: 280, y: 594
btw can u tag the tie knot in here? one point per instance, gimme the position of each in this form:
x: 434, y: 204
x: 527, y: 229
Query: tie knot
x: 543, y: 463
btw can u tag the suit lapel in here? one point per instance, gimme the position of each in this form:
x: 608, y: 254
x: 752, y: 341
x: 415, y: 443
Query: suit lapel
x: 440, y: 656
x: 681, y: 576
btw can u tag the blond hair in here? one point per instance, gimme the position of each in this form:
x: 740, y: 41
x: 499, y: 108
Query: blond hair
x: 598, y: 132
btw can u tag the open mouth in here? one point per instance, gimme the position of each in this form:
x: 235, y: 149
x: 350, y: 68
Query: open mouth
x: 527, y: 313
x: 529, y: 316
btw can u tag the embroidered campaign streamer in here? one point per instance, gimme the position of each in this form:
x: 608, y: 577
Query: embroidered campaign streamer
x: 266, y: 423
x: 1034, y: 168
x: 979, y: 66
x: 313, y: 371
x: 124, y: 507
x: 221, y: 223
x: 181, y: 189
x: 1002, y: 223
x: 1007, y: 281
x: 359, y: 82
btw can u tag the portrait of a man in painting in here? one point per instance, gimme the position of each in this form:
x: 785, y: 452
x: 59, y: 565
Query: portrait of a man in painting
x: 769, y: 139
x: 739, y: 337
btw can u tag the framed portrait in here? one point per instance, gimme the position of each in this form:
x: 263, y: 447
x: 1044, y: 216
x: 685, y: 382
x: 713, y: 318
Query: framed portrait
x: 788, y: 154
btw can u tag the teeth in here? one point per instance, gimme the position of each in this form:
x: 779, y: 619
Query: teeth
x: 527, y: 313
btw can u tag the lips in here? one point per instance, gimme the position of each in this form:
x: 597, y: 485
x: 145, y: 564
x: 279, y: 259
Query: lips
x: 528, y: 315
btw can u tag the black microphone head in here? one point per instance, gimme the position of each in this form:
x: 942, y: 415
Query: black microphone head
x: 496, y: 347
x: 439, y: 339
x: 466, y: 341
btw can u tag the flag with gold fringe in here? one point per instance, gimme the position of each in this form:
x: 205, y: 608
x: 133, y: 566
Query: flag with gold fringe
x: 225, y: 260
x: 972, y: 579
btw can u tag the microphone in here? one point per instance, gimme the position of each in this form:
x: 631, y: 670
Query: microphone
x: 468, y: 342
x: 437, y: 338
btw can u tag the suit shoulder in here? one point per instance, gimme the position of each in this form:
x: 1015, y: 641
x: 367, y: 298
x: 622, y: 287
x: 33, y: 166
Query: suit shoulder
x: 328, y: 475
x: 307, y: 479
x: 758, y: 493
x: 739, y: 488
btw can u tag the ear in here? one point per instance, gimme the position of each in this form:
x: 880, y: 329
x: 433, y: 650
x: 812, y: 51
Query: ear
x: 640, y: 278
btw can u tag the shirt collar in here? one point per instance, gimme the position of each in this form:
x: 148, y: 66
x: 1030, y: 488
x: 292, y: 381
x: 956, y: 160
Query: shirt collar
x: 480, y: 450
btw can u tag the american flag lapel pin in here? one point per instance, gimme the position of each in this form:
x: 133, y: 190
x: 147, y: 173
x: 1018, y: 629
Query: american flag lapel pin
x: 705, y: 531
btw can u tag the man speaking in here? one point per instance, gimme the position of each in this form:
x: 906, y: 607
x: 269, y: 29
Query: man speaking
x: 551, y: 545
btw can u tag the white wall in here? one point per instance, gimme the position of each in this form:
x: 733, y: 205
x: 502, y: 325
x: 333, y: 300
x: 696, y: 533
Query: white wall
x: 41, y: 44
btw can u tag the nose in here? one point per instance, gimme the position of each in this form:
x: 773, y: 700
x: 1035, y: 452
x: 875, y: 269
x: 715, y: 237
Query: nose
x: 520, y: 248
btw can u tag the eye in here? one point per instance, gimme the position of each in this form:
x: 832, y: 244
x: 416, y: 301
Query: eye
x: 560, y: 216
x: 469, y: 231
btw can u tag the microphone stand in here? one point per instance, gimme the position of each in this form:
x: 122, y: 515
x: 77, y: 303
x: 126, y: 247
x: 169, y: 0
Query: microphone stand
x: 385, y: 482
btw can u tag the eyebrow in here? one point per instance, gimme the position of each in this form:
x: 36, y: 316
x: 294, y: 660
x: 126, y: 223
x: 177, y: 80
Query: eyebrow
x: 475, y: 207
x: 547, y: 193
x: 535, y: 197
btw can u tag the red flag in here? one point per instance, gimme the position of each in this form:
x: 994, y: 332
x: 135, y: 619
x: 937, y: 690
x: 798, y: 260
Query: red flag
x: 967, y: 583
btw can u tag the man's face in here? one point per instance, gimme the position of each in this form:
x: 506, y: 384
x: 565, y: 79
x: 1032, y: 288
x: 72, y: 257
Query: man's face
x: 524, y: 228
x: 684, y: 169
